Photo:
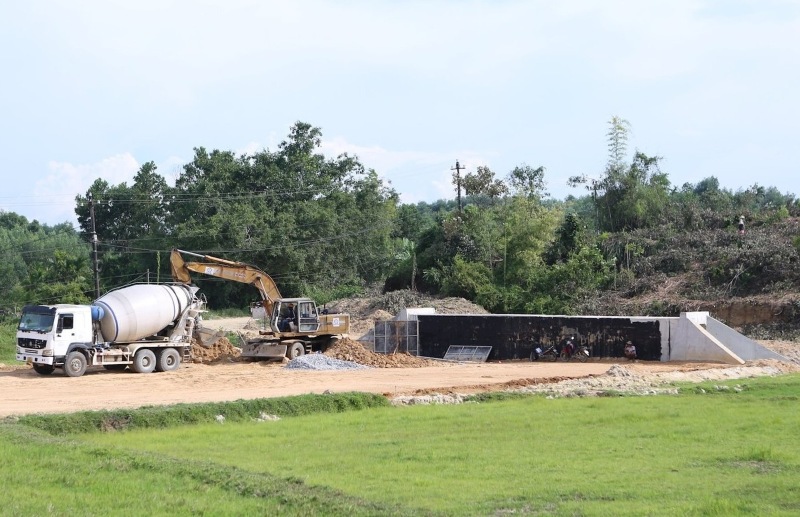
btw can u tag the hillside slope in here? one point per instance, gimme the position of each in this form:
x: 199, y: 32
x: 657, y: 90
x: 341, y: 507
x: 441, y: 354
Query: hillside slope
x: 749, y: 281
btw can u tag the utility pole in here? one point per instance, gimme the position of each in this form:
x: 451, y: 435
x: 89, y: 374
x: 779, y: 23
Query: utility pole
x: 94, y: 250
x: 458, y: 168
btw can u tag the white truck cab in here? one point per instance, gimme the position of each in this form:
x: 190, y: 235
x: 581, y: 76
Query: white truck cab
x: 47, y: 333
x: 144, y: 327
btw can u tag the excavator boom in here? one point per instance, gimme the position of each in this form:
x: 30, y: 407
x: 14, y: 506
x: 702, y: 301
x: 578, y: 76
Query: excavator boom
x: 296, y: 325
x: 227, y: 269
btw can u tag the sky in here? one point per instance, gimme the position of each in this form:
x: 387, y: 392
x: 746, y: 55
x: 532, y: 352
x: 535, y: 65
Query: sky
x: 96, y: 88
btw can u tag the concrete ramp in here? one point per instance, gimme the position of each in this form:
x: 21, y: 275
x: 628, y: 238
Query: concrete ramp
x: 743, y: 346
x: 699, y: 337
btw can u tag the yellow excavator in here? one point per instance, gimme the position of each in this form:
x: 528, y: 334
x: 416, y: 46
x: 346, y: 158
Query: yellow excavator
x: 295, y: 326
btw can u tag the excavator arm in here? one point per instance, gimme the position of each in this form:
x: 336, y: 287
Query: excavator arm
x: 227, y: 269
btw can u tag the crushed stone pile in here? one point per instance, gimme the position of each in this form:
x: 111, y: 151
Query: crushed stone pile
x: 222, y: 350
x: 322, y: 362
x: 349, y: 350
x: 621, y: 379
x: 618, y: 379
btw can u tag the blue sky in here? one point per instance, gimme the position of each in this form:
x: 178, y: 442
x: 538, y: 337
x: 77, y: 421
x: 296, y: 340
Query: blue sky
x: 95, y: 88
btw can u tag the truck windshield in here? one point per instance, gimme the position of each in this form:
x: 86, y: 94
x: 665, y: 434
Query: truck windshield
x: 37, y: 319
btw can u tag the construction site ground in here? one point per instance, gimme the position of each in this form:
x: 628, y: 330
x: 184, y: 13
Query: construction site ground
x: 218, y: 374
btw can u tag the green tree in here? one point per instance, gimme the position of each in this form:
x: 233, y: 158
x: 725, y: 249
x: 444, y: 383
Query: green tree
x: 627, y: 196
x: 526, y: 181
x: 483, y: 183
x: 41, y: 264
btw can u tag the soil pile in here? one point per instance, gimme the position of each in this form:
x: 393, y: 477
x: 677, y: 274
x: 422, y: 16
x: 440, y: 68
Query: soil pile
x: 788, y: 349
x: 353, y: 351
x: 363, y: 326
x: 365, y: 311
x: 222, y: 350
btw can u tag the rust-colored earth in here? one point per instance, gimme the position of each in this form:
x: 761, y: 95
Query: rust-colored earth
x: 24, y: 391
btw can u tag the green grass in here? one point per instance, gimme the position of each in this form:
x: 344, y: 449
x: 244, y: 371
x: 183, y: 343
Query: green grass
x: 713, y: 450
x: 226, y: 313
x: 708, y: 452
x: 8, y: 340
x: 47, y: 475
x: 159, y: 417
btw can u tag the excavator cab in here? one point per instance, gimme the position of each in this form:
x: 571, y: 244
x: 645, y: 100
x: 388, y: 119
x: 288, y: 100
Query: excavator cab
x: 295, y: 315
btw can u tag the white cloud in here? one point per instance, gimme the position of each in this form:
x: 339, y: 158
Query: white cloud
x: 416, y: 175
x: 54, y: 195
x: 415, y: 84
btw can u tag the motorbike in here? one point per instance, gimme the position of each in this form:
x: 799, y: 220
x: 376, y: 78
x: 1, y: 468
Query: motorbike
x: 573, y: 351
x: 549, y: 353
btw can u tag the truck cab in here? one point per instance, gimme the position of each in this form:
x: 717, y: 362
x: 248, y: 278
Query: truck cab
x: 47, y: 333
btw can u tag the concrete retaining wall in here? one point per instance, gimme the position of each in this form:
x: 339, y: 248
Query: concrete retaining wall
x: 694, y: 336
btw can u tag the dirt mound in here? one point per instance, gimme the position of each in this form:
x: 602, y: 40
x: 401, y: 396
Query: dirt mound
x: 365, y: 311
x: 353, y: 351
x: 222, y: 350
x: 393, y: 302
x: 788, y: 349
x: 363, y: 326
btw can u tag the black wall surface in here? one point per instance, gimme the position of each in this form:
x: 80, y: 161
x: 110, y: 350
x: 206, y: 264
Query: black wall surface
x: 513, y: 336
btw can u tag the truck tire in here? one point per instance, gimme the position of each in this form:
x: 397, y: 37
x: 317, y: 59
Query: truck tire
x: 43, y: 369
x: 75, y: 364
x: 169, y: 359
x: 295, y: 350
x: 144, y: 361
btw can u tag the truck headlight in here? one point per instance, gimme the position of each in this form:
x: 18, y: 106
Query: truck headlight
x: 47, y: 353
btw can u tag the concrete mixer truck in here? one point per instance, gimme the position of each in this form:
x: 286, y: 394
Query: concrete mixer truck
x: 145, y: 327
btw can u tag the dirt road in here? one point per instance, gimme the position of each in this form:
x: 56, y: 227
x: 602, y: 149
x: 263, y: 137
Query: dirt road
x: 24, y: 391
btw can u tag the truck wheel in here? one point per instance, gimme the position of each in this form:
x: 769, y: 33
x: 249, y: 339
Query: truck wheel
x: 43, y: 369
x: 75, y: 364
x: 169, y: 359
x: 144, y: 361
x: 295, y: 350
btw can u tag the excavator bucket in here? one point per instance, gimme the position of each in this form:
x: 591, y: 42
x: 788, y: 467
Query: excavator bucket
x: 263, y: 350
x: 207, y: 337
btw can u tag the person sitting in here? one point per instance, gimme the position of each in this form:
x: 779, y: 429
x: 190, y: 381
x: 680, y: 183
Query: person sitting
x: 630, y: 351
x: 569, y: 347
x: 288, y: 319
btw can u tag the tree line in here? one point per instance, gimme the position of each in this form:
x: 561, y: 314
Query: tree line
x: 330, y: 228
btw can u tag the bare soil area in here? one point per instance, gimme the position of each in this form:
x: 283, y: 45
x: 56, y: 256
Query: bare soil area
x: 218, y: 375
x: 25, y: 392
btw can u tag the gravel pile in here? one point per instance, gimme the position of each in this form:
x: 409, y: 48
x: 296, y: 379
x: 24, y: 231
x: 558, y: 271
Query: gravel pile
x: 618, y: 380
x: 427, y: 400
x: 322, y: 362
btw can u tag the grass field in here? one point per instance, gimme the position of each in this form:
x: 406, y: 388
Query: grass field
x: 8, y: 339
x: 709, y: 451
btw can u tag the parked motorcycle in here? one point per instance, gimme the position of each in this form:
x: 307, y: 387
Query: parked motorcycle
x: 573, y: 351
x: 549, y: 353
